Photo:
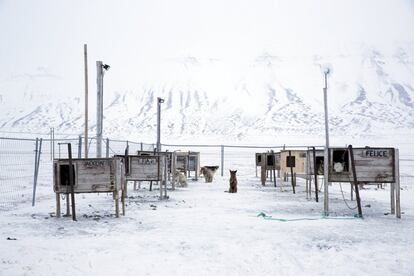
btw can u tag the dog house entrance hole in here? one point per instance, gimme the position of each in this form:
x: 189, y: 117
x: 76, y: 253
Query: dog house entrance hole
x: 64, y: 175
x: 290, y: 161
x: 341, y: 157
x: 270, y: 160
x: 319, y: 164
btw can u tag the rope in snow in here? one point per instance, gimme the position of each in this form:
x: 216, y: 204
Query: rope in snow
x: 266, y: 217
x: 343, y: 197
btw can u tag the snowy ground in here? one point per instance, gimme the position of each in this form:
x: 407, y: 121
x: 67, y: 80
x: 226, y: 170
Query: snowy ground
x: 201, y: 230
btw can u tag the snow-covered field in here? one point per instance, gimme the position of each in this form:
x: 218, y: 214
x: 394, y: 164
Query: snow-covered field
x: 202, y: 230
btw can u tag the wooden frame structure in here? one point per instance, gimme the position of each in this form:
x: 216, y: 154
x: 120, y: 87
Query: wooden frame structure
x: 187, y: 162
x: 93, y: 175
x: 147, y: 167
x: 269, y: 163
x: 367, y: 166
x: 314, y: 168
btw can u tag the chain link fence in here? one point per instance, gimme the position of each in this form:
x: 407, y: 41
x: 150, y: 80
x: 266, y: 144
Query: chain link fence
x: 17, y: 159
x: 18, y: 162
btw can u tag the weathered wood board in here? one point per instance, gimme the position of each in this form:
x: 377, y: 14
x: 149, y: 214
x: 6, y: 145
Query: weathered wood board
x: 92, y: 175
x: 146, y: 168
x: 194, y: 161
x: 310, y: 162
x: 269, y: 160
x: 372, y: 165
x: 297, y: 161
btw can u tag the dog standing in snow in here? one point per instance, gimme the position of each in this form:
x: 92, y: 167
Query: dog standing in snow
x: 233, y: 182
x: 181, y: 178
x: 208, y: 172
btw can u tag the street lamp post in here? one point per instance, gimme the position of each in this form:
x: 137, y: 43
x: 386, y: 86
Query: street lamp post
x: 159, y: 102
x: 326, y: 72
x: 99, y: 116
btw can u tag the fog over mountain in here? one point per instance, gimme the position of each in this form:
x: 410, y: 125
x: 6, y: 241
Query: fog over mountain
x: 233, y: 69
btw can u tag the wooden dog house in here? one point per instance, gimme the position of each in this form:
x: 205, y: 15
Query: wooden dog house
x: 364, y: 166
x: 269, y: 163
x: 295, y: 159
x: 94, y: 175
x: 187, y: 162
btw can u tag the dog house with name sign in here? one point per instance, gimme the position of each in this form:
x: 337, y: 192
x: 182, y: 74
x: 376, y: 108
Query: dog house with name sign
x: 145, y: 168
x: 364, y: 166
x: 372, y: 165
x: 169, y: 156
x: 94, y: 175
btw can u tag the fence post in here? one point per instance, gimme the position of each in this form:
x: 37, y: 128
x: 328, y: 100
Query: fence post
x: 51, y: 148
x: 397, y: 183
x: 222, y: 160
x: 107, y: 147
x: 80, y: 147
x: 34, y: 174
x: 37, y: 164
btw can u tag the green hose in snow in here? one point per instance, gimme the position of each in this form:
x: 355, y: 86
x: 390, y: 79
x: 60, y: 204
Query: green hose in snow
x: 266, y: 217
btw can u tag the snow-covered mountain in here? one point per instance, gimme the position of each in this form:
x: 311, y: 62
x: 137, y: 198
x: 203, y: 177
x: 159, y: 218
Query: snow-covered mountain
x: 369, y: 92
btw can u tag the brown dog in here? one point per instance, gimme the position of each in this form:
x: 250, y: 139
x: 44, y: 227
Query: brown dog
x: 233, y: 182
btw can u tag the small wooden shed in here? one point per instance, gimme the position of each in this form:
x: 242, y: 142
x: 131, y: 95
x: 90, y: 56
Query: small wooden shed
x: 364, y: 166
x: 295, y: 159
x: 372, y: 165
x: 318, y: 160
x: 93, y: 175
x: 187, y: 162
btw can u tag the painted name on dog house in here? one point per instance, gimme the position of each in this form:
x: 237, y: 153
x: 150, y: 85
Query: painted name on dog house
x: 145, y: 168
x: 372, y: 165
x: 89, y: 175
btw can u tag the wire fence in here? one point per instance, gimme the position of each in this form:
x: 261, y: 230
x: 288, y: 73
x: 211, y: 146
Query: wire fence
x: 17, y: 159
x: 17, y: 162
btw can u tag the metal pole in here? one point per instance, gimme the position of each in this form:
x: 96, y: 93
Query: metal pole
x: 53, y: 142
x: 85, y: 51
x: 222, y: 160
x: 326, y: 152
x: 99, y: 108
x: 80, y: 147
x: 51, y: 152
x: 397, y: 183
x: 159, y: 102
x: 34, y: 174
x: 107, y: 147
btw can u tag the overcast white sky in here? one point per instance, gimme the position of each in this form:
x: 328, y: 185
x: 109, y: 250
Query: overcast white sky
x: 135, y: 34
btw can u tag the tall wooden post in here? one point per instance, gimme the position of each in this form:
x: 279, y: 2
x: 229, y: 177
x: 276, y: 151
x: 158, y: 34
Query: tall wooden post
x: 351, y: 153
x: 85, y: 53
x: 291, y: 173
x: 315, y: 172
x: 397, y: 183
x: 71, y: 181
